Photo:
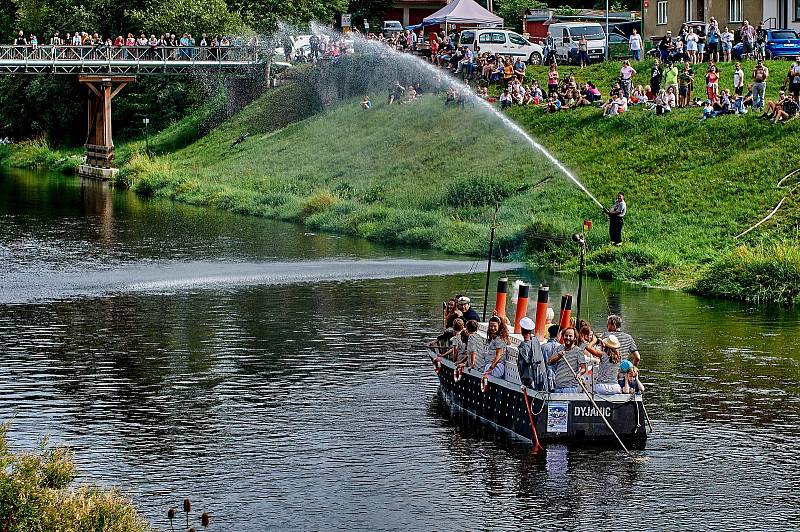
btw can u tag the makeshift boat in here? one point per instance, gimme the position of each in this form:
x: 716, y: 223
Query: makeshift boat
x: 536, y: 416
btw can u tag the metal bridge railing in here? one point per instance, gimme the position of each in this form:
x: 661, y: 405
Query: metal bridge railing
x: 62, y: 59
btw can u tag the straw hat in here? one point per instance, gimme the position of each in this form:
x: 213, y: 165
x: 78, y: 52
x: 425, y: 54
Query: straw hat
x: 612, y: 341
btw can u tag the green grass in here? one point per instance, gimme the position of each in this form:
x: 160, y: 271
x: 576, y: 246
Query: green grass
x: 427, y: 175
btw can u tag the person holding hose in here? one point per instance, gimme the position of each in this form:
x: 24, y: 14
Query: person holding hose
x: 616, y: 214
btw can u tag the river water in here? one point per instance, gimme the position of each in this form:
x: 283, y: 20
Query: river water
x: 276, y: 378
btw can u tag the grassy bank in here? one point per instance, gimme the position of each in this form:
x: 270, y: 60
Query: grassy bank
x: 36, y: 494
x: 429, y: 175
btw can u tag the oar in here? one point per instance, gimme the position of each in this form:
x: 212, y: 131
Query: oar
x: 649, y: 423
x: 530, y: 417
x: 583, y: 387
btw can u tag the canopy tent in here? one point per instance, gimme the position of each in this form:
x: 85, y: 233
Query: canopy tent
x: 461, y: 12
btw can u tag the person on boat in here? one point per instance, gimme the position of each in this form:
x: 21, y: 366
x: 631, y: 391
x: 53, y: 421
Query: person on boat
x: 457, y: 343
x: 532, y: 368
x: 569, y: 364
x: 624, y: 366
x: 496, y: 344
x: 467, y: 312
x: 550, y: 348
x: 605, y: 377
x: 590, y: 344
x: 474, y: 346
x: 632, y: 383
x: 627, y: 347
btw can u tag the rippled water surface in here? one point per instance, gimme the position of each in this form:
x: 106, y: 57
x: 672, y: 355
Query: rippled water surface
x: 275, y: 377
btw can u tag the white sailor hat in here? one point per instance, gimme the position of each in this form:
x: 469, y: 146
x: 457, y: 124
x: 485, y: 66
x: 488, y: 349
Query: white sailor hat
x: 527, y: 324
x: 463, y: 299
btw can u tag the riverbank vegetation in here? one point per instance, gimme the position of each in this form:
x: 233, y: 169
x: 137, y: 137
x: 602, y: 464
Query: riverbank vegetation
x: 36, y: 493
x: 429, y: 175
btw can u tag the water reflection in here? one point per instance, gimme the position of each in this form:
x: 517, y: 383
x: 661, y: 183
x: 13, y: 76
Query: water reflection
x: 311, y: 405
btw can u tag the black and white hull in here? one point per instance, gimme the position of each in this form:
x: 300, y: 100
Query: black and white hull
x: 557, y: 417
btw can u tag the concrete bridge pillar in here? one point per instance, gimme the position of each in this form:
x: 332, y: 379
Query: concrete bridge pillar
x: 99, y: 144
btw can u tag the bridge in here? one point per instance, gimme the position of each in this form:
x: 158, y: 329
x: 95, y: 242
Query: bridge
x: 105, y: 70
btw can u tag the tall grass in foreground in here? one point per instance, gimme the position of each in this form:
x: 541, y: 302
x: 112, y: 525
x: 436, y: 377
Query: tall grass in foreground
x: 35, y: 495
x: 759, y: 274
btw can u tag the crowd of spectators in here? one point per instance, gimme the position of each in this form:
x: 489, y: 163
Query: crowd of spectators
x: 168, y: 46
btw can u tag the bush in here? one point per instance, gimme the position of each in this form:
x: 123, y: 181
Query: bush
x: 477, y: 191
x: 770, y: 273
x: 35, y: 495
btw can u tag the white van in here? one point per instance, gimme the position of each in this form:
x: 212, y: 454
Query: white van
x: 503, y: 42
x: 567, y: 34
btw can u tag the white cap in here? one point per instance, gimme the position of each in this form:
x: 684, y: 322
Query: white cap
x: 527, y: 324
x: 463, y: 299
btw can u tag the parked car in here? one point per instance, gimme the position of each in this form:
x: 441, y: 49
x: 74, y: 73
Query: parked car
x: 390, y: 27
x: 780, y: 43
x: 503, y: 42
x: 567, y: 35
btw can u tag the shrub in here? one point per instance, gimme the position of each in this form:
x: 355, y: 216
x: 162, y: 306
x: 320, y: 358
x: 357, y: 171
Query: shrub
x: 766, y: 273
x: 319, y: 202
x: 477, y: 191
x: 35, y: 494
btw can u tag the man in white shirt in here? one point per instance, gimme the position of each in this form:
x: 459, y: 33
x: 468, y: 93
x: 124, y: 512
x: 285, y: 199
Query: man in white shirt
x: 635, y: 45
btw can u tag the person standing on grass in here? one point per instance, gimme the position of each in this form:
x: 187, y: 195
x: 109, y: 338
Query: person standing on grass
x: 726, y: 41
x: 713, y: 41
x: 626, y: 73
x: 616, y: 215
x: 583, y: 51
x: 793, y: 78
x: 635, y: 45
x: 655, y: 77
x: 738, y: 79
x: 760, y: 75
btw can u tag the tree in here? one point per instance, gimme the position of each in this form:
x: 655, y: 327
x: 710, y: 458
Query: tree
x: 264, y: 16
x: 371, y: 10
x: 186, y: 16
x: 512, y: 11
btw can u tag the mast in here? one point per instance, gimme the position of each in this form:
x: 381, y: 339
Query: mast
x: 489, y: 266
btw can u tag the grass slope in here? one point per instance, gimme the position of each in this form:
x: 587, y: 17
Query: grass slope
x: 424, y: 174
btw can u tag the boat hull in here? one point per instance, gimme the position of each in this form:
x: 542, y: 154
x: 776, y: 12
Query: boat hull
x: 557, y: 417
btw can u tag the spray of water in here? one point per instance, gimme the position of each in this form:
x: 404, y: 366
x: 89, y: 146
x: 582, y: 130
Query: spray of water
x: 442, y: 79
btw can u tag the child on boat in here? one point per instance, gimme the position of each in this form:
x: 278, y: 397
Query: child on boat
x: 632, y: 383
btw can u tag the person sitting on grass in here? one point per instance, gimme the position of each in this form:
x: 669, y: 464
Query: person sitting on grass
x: 553, y: 105
x: 365, y: 103
x: 772, y: 106
x: 632, y: 383
x: 505, y: 100
x: 708, y: 110
x: 738, y: 106
x: 724, y: 106
x: 638, y: 96
x: 661, y: 107
x: 592, y: 93
x: 788, y: 110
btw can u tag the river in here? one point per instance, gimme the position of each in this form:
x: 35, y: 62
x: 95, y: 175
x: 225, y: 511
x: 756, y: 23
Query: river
x: 276, y: 378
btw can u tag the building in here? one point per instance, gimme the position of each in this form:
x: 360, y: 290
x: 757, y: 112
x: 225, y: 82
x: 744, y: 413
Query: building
x: 662, y: 15
x: 413, y: 11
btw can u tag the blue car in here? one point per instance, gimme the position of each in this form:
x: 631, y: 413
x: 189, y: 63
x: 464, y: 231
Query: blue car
x: 780, y: 43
